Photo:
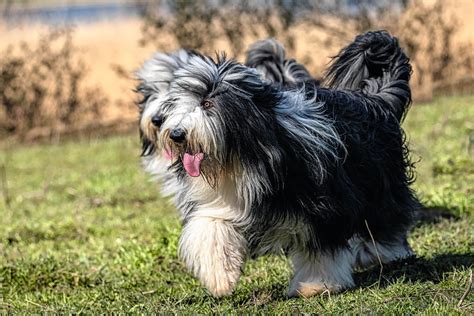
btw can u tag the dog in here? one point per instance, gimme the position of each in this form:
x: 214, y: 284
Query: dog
x: 258, y: 164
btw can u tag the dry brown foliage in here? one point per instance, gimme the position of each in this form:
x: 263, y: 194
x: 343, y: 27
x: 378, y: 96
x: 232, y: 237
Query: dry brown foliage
x: 42, y: 87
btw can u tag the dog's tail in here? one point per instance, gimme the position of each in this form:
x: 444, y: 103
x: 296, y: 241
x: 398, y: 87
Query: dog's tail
x: 376, y: 65
x: 268, y: 57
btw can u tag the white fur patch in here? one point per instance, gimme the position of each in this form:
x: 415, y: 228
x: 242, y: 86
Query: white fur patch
x: 213, y: 249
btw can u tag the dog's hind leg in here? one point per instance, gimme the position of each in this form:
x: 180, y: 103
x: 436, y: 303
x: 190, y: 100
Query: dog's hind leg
x: 214, y: 251
x: 321, y: 272
x: 368, y: 253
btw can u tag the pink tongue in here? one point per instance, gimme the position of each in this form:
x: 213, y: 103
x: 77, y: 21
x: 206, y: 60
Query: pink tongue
x: 192, y: 164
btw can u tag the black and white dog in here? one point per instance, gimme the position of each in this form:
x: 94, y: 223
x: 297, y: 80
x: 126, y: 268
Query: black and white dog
x: 260, y: 159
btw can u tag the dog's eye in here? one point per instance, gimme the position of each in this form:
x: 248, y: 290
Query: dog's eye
x: 206, y: 104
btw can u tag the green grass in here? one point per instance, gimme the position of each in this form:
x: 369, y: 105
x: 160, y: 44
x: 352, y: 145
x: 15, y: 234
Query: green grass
x: 86, y: 231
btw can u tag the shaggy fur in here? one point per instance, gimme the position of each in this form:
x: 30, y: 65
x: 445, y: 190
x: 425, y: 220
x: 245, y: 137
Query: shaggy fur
x: 258, y: 164
x: 269, y: 58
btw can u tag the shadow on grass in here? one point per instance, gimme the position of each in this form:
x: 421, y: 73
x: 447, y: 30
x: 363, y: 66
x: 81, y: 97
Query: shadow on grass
x: 410, y: 270
x: 433, y: 215
x: 415, y: 269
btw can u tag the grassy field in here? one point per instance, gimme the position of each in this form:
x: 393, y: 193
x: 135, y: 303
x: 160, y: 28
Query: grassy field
x: 85, y: 231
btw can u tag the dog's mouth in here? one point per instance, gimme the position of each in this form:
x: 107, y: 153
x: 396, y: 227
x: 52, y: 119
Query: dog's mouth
x: 191, y: 161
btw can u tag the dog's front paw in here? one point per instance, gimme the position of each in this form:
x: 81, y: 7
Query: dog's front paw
x: 320, y: 273
x: 221, y: 282
x: 306, y: 290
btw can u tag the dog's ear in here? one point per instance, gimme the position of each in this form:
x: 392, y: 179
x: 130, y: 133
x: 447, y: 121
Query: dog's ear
x: 157, y: 73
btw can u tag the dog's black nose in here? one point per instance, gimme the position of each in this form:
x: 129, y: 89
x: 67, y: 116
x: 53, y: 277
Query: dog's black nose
x: 157, y: 120
x: 178, y: 135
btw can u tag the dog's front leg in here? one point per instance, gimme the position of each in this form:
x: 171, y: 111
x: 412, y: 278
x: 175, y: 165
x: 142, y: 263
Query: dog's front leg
x: 214, y: 251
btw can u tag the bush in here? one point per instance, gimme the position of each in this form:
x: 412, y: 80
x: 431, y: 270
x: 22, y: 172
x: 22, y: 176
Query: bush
x: 427, y: 34
x: 41, y: 87
x: 201, y: 24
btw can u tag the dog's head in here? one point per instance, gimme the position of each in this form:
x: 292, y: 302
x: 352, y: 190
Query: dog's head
x: 155, y: 77
x: 208, y: 116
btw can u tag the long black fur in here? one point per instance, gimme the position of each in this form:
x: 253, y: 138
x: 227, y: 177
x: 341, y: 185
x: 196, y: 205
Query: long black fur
x: 372, y: 184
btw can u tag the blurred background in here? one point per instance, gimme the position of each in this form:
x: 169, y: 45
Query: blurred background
x: 66, y: 67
